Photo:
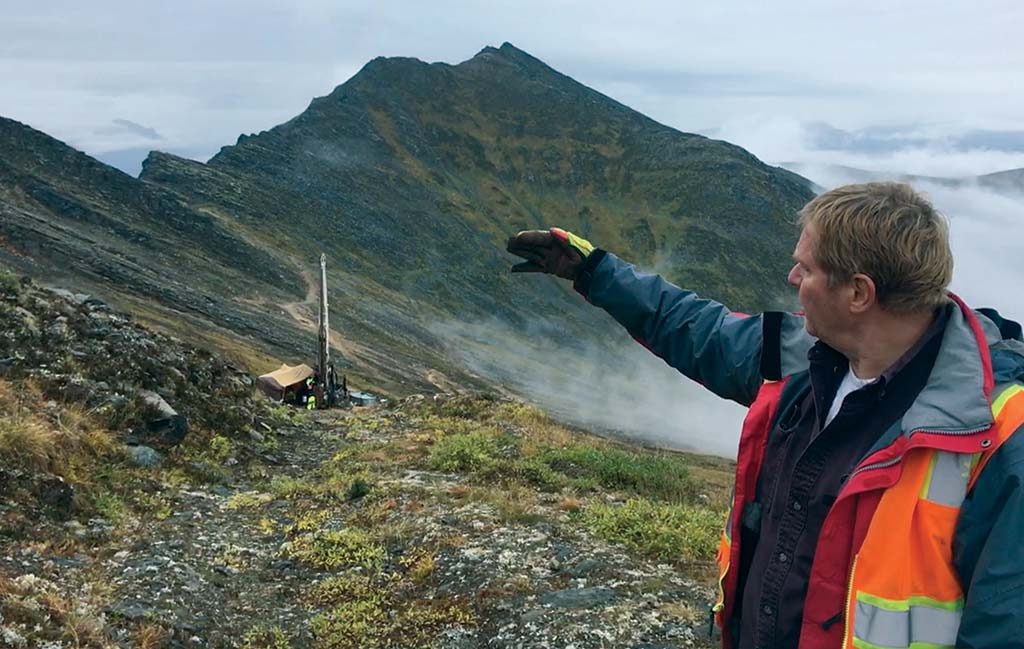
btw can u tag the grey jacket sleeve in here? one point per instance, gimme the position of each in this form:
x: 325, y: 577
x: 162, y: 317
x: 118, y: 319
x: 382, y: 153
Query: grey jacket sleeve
x: 699, y: 337
x: 988, y: 555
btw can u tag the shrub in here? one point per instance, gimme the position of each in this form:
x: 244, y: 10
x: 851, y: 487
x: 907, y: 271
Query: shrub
x: 466, y: 407
x: 669, y: 532
x: 534, y: 471
x: 358, y: 488
x: 377, y: 620
x: 472, y: 452
x: 660, y: 476
x: 9, y: 284
x: 266, y: 638
x: 330, y: 550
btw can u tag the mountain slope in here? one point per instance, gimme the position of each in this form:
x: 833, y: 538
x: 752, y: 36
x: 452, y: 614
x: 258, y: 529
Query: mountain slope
x: 399, y: 164
x: 1010, y: 181
x: 69, y: 219
x: 409, y: 176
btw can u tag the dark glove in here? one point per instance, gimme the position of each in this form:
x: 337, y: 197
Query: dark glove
x: 553, y: 251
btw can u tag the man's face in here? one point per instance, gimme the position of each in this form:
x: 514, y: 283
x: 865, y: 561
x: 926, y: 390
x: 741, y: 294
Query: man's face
x: 824, y: 307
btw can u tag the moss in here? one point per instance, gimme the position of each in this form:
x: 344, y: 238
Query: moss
x: 281, y: 416
x: 219, y: 448
x: 487, y: 453
x: 349, y: 587
x: 331, y: 483
x: 207, y: 471
x: 520, y: 413
x: 536, y: 472
x: 266, y: 526
x: 110, y: 506
x: 289, y: 487
x: 308, y: 522
x: 419, y: 565
x: 335, y: 549
x: 661, y: 476
x: 467, y: 407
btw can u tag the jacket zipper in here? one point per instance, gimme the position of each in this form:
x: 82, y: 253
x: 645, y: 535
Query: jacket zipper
x: 720, y: 604
x: 898, y: 459
x: 849, y: 597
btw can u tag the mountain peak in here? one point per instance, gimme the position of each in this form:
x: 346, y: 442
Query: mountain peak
x: 509, y: 53
x: 506, y: 49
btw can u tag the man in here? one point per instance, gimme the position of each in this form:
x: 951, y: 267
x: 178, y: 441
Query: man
x: 310, y: 394
x: 878, y: 497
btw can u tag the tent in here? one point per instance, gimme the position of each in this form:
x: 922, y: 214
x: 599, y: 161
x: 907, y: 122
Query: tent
x: 285, y: 380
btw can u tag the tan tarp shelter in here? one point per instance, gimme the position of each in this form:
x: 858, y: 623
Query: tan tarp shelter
x: 283, y: 379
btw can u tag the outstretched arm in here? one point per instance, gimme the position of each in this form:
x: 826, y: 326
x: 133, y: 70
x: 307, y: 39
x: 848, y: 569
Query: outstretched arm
x: 699, y: 337
x: 729, y: 353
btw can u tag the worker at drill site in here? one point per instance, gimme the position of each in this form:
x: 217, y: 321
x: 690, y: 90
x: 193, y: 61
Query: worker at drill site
x: 878, y: 495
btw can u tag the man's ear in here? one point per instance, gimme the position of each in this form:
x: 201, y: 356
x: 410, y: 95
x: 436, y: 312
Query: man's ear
x: 864, y: 294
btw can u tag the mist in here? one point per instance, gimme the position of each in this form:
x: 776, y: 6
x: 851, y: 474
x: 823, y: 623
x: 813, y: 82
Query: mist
x: 623, y: 392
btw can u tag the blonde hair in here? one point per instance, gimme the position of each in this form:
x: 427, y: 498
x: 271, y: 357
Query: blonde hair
x: 888, y: 232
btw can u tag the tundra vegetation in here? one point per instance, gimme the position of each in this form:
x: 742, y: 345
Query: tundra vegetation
x: 433, y: 521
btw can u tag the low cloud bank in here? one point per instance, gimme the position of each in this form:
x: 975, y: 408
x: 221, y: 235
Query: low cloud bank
x: 622, y: 391
x: 915, y: 150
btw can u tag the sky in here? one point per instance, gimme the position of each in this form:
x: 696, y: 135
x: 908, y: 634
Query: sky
x: 190, y: 76
x: 901, y: 86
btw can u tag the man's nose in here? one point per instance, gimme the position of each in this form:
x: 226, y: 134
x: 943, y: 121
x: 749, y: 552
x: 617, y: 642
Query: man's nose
x: 794, y: 276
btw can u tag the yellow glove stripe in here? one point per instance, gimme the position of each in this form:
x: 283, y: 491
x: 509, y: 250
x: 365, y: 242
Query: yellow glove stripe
x: 581, y: 245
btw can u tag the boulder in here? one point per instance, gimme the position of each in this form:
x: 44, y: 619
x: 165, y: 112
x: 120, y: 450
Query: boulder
x: 165, y: 423
x: 144, y: 456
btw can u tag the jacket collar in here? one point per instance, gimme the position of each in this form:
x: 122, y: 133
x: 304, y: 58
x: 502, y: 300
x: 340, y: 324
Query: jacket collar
x: 957, y: 397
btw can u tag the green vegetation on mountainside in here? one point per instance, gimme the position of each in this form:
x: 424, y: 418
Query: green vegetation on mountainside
x: 409, y: 176
x: 432, y: 522
x: 367, y: 517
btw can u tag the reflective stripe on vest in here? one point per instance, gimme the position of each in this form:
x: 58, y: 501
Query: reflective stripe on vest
x: 904, y: 590
x: 882, y: 623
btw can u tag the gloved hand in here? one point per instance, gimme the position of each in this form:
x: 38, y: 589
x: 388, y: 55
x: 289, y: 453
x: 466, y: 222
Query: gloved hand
x: 553, y: 251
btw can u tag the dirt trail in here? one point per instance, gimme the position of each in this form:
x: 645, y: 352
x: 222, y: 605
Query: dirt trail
x: 304, y: 312
x: 212, y: 570
x: 204, y: 568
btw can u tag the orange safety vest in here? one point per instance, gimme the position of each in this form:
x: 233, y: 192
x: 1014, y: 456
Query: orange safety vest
x: 902, y: 589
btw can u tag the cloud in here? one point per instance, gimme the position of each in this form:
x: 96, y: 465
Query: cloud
x: 925, y: 150
x: 200, y: 73
x: 124, y: 126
